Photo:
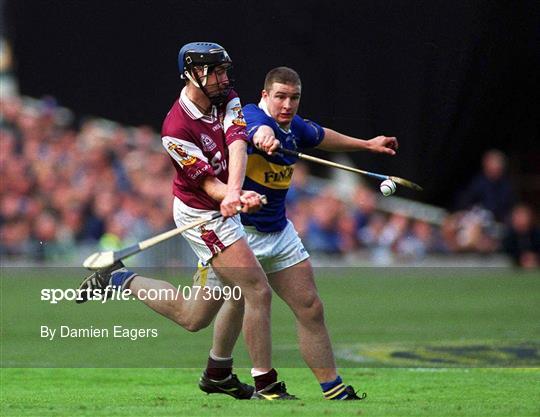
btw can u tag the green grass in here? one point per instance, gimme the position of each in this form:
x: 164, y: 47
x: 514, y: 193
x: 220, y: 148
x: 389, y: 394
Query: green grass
x: 421, y: 342
x: 160, y: 392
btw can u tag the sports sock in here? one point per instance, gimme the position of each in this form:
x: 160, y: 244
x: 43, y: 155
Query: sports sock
x: 263, y: 380
x: 218, y: 368
x: 334, y: 390
x: 121, y: 278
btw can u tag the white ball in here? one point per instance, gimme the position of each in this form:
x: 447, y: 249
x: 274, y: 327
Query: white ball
x: 388, y: 187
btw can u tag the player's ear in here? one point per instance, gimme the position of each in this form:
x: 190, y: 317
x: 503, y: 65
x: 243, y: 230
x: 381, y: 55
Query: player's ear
x: 264, y: 94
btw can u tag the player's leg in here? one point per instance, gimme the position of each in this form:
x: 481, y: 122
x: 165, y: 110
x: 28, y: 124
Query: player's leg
x: 249, y: 276
x: 296, y: 286
x: 237, y: 266
x: 199, y: 310
x: 222, y: 243
x: 193, y: 314
x: 231, y: 316
x: 218, y: 377
x: 291, y: 275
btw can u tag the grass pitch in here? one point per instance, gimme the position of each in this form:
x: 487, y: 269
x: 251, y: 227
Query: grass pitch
x: 420, y: 342
x: 169, y: 392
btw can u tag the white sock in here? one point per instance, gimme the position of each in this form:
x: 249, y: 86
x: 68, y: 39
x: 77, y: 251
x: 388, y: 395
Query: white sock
x: 255, y: 373
x: 217, y: 358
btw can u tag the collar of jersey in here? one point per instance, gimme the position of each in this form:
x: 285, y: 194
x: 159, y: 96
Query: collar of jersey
x: 192, y: 110
x: 264, y: 108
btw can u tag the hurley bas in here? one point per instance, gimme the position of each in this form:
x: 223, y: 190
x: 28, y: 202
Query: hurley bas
x: 117, y: 332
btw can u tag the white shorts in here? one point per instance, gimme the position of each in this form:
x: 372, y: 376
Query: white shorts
x: 275, y: 252
x: 210, y: 238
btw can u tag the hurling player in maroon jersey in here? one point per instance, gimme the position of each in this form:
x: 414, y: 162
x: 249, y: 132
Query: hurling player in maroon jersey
x: 204, y: 134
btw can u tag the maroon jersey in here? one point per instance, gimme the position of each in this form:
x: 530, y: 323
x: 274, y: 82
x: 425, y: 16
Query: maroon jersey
x: 198, y: 145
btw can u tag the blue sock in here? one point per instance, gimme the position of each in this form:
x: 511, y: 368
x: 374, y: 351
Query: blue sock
x: 334, y: 390
x: 121, y: 278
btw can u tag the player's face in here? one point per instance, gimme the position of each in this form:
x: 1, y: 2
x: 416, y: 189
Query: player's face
x: 217, y: 78
x: 282, y: 101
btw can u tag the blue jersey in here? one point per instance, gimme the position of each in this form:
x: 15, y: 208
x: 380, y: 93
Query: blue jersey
x: 271, y: 175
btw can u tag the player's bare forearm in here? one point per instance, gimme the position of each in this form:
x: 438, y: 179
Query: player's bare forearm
x: 237, y: 165
x: 216, y: 189
x: 335, y: 141
x: 250, y: 201
x: 237, y: 170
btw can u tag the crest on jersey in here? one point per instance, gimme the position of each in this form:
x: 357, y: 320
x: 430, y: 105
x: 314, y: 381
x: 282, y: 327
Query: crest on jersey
x: 238, y: 116
x: 185, y: 159
x: 207, y: 143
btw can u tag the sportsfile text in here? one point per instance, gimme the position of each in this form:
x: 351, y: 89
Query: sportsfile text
x: 54, y: 295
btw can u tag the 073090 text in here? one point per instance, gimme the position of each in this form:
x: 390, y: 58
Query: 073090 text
x: 189, y: 293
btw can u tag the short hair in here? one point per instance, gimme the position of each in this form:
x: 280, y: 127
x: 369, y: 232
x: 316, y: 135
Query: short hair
x: 282, y: 75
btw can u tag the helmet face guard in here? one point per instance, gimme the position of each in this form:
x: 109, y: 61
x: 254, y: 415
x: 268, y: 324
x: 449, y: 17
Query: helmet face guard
x: 216, y: 93
x: 198, y: 60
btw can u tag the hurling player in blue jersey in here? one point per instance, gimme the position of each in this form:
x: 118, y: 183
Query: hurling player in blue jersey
x: 272, y: 124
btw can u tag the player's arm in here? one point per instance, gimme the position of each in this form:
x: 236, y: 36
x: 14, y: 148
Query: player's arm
x: 335, y: 141
x: 215, y: 188
x: 196, y: 169
x: 234, y: 126
x: 237, y: 172
x: 250, y: 201
x: 265, y: 140
x: 260, y: 132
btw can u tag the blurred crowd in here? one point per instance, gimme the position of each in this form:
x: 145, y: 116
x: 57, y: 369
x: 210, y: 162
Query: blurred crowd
x: 105, y: 184
x: 487, y: 219
x: 334, y: 225
x: 62, y: 187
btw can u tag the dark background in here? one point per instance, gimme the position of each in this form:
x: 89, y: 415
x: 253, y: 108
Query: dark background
x: 450, y: 79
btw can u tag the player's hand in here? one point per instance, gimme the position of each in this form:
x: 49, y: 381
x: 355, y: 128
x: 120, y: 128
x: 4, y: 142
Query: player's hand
x: 383, y: 144
x: 230, y: 204
x: 265, y: 140
x: 251, y: 201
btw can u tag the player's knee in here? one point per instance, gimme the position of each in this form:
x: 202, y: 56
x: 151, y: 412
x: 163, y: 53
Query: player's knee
x: 196, y: 325
x: 193, y: 327
x: 264, y: 294
x: 192, y: 324
x: 258, y: 292
x: 312, y: 310
x: 318, y: 310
